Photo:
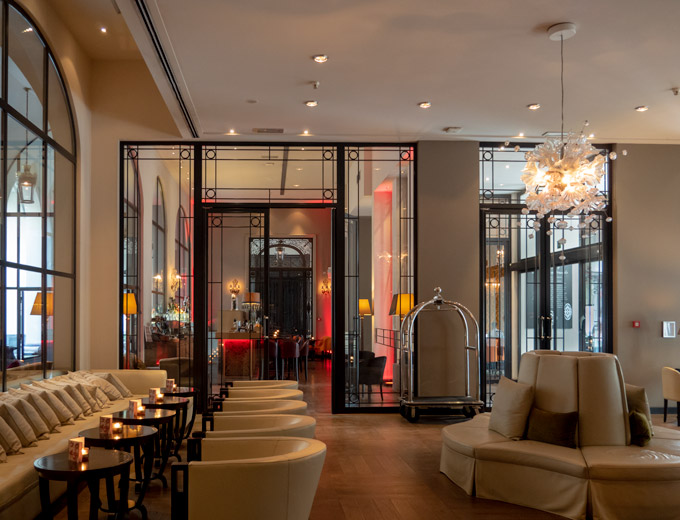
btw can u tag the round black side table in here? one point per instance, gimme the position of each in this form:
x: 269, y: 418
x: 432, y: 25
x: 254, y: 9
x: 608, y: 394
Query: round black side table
x: 180, y: 405
x: 101, y: 464
x: 189, y: 392
x: 137, y: 438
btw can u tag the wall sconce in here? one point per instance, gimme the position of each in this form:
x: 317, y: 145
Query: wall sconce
x: 234, y: 288
x: 176, y: 282
x: 325, y: 287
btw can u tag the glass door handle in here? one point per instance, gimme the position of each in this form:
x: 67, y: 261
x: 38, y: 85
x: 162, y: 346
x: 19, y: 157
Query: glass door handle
x: 545, y: 335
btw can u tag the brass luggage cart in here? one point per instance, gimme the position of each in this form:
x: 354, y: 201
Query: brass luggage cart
x: 410, y: 404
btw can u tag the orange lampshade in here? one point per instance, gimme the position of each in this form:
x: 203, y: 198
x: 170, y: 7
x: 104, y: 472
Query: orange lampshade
x: 129, y: 304
x: 251, y: 297
x: 401, y: 304
x: 37, y: 308
x: 364, y: 307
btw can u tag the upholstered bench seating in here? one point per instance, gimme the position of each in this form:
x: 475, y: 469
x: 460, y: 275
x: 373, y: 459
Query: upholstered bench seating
x: 19, y: 497
x: 603, y: 477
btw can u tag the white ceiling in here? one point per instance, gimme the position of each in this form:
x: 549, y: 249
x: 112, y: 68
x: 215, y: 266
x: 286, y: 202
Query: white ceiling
x: 479, y: 63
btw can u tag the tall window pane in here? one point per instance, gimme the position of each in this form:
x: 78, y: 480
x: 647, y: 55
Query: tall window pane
x: 60, y: 212
x: 158, y: 251
x: 24, y: 200
x: 59, y: 124
x: 25, y: 72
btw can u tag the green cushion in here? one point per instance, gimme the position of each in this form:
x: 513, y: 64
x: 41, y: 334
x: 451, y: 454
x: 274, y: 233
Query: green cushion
x: 552, y: 427
x: 640, y: 428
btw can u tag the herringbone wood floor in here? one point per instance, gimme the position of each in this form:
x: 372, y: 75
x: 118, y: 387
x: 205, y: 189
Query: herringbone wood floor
x: 378, y: 466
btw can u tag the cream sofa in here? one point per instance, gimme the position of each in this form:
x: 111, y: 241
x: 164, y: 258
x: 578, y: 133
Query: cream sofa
x: 603, y: 478
x: 258, y: 478
x: 19, y: 497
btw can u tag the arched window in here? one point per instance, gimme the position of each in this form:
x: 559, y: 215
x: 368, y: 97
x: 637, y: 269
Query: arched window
x: 158, y: 248
x: 37, y: 299
x: 182, y: 257
x: 131, y: 255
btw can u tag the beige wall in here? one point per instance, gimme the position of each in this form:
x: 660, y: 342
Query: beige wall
x: 448, y: 256
x: 646, y: 262
x: 125, y: 105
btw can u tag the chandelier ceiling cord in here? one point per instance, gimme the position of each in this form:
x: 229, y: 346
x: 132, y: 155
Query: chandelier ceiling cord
x: 562, y: 175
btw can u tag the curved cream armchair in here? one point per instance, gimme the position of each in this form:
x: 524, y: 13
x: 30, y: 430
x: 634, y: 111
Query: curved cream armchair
x: 670, y: 384
x: 292, y: 385
x: 264, y: 394
x: 257, y: 478
x: 254, y: 407
x: 285, y: 425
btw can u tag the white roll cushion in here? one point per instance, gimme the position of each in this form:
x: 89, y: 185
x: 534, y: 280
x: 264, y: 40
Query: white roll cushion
x: 29, y: 413
x: 41, y: 405
x: 511, y: 408
x: 19, y: 425
x: 63, y: 413
x: 8, y: 439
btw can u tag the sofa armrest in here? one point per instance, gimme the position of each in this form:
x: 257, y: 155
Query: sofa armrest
x: 139, y: 381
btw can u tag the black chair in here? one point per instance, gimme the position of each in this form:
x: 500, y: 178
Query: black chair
x: 366, y: 355
x: 371, y: 373
x: 304, y: 356
x: 290, y: 353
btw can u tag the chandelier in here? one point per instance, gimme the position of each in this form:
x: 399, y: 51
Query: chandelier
x: 563, y: 175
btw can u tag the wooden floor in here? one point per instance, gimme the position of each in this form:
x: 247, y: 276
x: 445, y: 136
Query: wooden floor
x: 378, y: 466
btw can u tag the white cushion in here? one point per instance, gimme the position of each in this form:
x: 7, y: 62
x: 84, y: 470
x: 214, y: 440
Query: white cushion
x: 8, y: 439
x: 110, y: 390
x: 29, y: 413
x: 511, y: 407
x: 3, y: 455
x: 64, y: 396
x: 44, y: 409
x: 19, y: 425
x: 77, y: 393
x: 63, y: 413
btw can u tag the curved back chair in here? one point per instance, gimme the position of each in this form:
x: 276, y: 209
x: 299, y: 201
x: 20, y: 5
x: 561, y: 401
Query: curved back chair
x: 256, y: 478
x: 260, y: 407
x: 304, y: 355
x: 290, y: 353
x: 285, y: 425
x: 371, y: 373
x: 292, y: 385
x: 263, y: 393
x: 670, y: 385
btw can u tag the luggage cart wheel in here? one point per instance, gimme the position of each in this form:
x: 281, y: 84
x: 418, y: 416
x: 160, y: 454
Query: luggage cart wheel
x: 412, y: 414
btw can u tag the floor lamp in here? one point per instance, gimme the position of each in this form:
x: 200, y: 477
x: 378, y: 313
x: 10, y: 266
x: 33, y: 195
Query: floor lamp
x: 401, y: 304
x: 37, y: 310
x: 364, y: 310
x: 129, y: 308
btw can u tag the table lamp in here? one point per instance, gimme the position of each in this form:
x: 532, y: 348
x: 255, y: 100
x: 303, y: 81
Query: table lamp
x: 401, y: 304
x: 364, y: 310
x: 129, y: 308
x: 37, y: 308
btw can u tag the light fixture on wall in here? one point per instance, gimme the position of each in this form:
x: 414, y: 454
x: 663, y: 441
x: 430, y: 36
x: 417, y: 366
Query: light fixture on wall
x: 129, y: 308
x: 563, y: 173
x: 279, y: 253
x: 234, y: 289
x: 176, y: 282
x: 325, y: 286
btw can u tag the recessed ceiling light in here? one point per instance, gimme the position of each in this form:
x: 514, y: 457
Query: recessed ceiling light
x: 306, y: 132
x: 320, y: 58
x: 534, y: 106
x: 103, y: 30
x: 28, y: 29
x: 296, y: 185
x: 507, y: 166
x: 299, y: 169
x: 311, y: 103
x: 521, y: 134
x: 231, y: 132
x: 642, y: 108
x: 591, y: 136
x: 425, y: 104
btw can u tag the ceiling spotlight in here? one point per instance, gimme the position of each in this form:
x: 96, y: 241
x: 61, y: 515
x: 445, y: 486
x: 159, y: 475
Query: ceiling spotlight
x: 642, y: 108
x: 311, y: 103
x: 521, y: 134
x: 534, y: 106
x: 320, y: 58
x: 306, y: 132
x: 231, y: 132
x: 591, y: 136
x: 425, y: 104
x: 103, y: 30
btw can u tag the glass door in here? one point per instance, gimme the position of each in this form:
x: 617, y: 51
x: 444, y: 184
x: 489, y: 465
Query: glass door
x: 237, y: 294
x: 545, y: 287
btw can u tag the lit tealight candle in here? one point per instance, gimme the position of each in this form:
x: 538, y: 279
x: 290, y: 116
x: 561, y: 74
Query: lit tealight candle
x: 117, y: 427
x: 86, y: 454
x: 140, y: 410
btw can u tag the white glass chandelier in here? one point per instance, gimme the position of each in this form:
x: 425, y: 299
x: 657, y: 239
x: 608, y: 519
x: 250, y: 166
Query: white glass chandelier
x: 563, y: 175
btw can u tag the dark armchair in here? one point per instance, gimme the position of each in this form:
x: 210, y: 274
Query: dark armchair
x: 371, y: 373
